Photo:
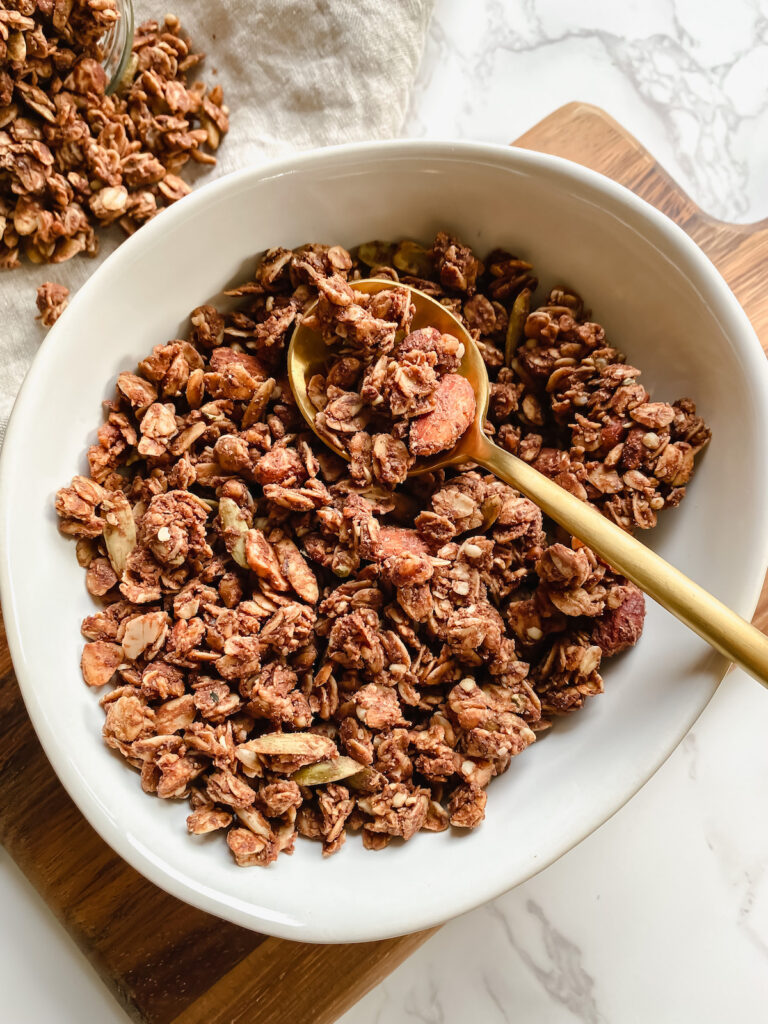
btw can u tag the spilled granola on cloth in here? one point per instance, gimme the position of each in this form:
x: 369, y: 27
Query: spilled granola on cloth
x: 52, y: 300
x: 72, y: 157
x: 299, y: 645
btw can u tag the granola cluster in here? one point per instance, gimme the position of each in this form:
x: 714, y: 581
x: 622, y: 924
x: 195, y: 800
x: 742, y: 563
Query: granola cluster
x: 52, y: 300
x: 72, y: 157
x: 384, y: 401
x: 300, y: 645
x: 584, y: 418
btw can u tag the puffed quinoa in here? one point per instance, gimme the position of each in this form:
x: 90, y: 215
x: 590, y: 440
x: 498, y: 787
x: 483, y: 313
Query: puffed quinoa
x: 303, y: 646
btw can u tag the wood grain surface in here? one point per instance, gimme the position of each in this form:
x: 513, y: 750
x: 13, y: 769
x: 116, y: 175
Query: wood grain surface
x: 168, y: 963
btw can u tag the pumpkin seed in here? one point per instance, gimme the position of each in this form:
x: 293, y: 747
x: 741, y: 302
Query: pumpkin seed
x: 412, y: 258
x: 376, y: 253
x: 517, y: 317
x: 328, y: 771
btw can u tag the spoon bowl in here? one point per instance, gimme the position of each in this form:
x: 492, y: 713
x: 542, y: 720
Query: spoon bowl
x: 308, y: 354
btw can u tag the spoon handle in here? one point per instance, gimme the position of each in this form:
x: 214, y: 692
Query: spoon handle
x: 726, y: 631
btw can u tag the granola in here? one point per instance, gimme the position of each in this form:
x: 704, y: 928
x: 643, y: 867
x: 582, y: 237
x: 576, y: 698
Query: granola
x: 52, y: 300
x: 72, y: 157
x: 390, y: 394
x: 299, y: 645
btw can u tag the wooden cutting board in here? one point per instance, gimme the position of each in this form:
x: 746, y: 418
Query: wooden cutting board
x: 170, y: 964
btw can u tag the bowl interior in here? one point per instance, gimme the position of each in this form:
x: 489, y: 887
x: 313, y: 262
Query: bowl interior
x: 661, y: 303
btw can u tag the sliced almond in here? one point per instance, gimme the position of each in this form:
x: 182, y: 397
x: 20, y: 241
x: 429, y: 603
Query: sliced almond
x: 8, y: 114
x: 234, y: 522
x: 145, y: 633
x: 187, y: 438
x: 214, y: 136
x: 253, y: 765
x: 296, y: 570
x: 258, y: 403
x: 304, y: 744
x: 119, y: 530
x: 262, y: 559
x: 100, y: 661
x: 255, y: 821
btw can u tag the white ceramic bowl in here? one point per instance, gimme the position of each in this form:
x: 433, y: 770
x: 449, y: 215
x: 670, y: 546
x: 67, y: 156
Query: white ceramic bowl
x: 662, y: 303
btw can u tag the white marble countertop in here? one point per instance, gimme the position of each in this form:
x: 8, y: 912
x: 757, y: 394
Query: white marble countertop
x: 663, y: 913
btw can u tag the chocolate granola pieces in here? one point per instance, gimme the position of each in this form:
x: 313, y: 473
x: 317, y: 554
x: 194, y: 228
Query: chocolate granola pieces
x: 301, y: 645
x: 73, y: 158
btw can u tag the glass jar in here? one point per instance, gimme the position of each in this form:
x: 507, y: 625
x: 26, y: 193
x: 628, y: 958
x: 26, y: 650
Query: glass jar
x: 117, y: 44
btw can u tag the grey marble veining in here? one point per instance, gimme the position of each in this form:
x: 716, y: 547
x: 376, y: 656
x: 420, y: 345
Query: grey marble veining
x: 559, y: 970
x: 688, y: 77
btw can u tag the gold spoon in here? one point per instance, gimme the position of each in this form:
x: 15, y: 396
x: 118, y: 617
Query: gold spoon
x: 726, y: 631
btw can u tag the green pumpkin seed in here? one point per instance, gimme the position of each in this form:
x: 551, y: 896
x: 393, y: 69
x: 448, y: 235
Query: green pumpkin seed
x: 517, y: 317
x: 376, y: 253
x: 413, y: 259
x: 333, y: 770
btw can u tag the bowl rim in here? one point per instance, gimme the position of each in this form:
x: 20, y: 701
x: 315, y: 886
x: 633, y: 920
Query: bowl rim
x: 735, y: 324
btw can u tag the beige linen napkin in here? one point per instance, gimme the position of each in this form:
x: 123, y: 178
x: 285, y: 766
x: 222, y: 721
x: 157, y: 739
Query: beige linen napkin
x: 296, y: 74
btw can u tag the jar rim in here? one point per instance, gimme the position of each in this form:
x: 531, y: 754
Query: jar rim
x: 118, y: 46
